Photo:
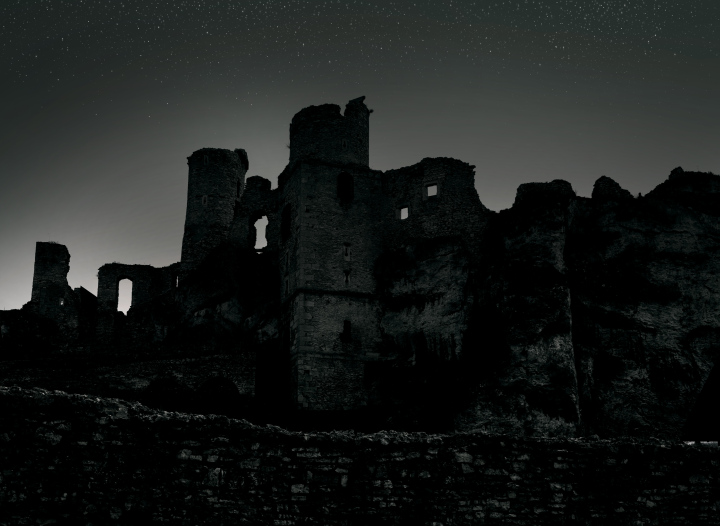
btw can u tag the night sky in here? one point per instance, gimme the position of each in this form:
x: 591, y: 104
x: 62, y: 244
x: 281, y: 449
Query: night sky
x: 103, y: 101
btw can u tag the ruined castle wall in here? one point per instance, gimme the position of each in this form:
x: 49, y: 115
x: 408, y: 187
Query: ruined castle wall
x: 455, y: 210
x: 83, y: 459
x: 216, y: 178
x: 147, y: 282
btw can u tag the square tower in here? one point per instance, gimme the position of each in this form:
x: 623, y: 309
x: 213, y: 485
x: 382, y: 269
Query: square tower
x: 331, y: 207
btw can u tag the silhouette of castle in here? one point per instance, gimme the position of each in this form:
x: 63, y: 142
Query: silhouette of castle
x: 329, y: 220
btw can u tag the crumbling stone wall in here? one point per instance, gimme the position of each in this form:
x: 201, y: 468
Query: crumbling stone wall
x: 82, y: 459
x: 148, y: 282
x: 455, y: 210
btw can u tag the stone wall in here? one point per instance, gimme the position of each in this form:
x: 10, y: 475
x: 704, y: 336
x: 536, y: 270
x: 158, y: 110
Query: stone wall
x: 71, y: 459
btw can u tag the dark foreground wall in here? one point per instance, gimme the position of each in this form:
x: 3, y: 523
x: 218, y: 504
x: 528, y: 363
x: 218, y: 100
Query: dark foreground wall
x: 82, y: 460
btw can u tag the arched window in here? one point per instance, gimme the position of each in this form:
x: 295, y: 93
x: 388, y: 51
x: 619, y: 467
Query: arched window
x: 345, y: 187
x: 285, y: 223
x: 125, y: 287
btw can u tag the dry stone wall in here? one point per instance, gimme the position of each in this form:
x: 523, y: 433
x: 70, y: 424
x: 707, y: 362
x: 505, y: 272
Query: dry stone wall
x: 72, y: 459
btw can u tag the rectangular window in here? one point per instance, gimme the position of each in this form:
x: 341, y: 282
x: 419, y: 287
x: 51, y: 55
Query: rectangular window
x: 404, y: 212
x: 431, y: 190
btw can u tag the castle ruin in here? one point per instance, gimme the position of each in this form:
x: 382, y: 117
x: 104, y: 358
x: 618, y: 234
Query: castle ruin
x: 399, y: 292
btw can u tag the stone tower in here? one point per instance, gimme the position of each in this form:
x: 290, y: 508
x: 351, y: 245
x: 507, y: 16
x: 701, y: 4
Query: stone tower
x: 51, y: 294
x: 216, y: 178
x: 330, y: 205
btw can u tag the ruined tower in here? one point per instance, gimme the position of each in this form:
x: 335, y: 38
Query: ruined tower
x: 330, y: 204
x: 51, y: 294
x: 216, y: 178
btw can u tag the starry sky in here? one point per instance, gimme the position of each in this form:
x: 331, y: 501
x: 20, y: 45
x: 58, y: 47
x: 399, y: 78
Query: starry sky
x: 103, y: 101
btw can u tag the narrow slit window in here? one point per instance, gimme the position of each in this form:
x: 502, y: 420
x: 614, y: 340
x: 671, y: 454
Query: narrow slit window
x: 62, y: 302
x: 206, y: 159
x: 347, y: 276
x: 344, y: 144
x: 204, y: 200
x: 404, y: 212
x: 177, y: 281
x: 432, y: 190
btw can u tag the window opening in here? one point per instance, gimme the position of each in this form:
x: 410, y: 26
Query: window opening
x: 62, y: 302
x: 345, y: 187
x: 404, y: 212
x: 206, y: 160
x: 346, y: 251
x: 260, y: 232
x: 431, y: 190
x: 177, y: 281
x: 344, y: 144
x: 204, y: 200
x: 124, y: 295
x: 347, y: 276
x: 285, y: 222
